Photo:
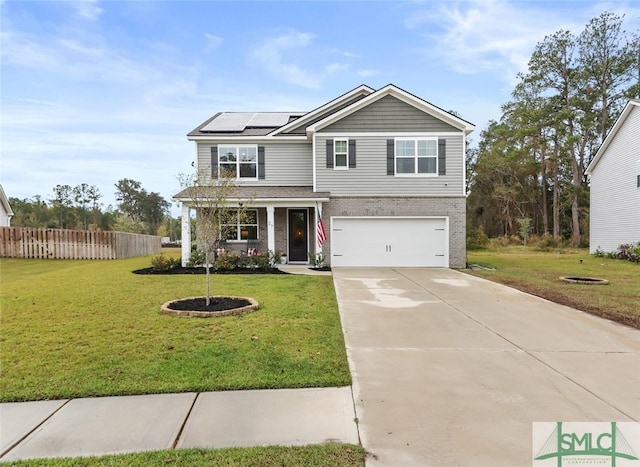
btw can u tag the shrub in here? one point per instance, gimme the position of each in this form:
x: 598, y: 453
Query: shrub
x: 546, y: 242
x: 259, y: 261
x: 197, y: 258
x: 317, y: 260
x: 628, y: 252
x: 163, y: 263
x: 476, y: 239
x: 503, y: 241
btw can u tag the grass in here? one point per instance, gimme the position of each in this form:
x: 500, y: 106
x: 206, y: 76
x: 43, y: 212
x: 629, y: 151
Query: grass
x: 538, y: 273
x: 322, y: 455
x: 92, y: 328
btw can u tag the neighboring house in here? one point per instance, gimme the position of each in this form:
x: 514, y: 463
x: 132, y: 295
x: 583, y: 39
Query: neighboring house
x: 384, y: 169
x: 615, y: 184
x: 6, y: 213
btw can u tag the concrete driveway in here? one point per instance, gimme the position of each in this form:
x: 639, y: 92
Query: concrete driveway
x: 450, y: 369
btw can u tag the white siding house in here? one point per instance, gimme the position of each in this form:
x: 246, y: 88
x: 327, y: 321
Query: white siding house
x: 615, y: 184
x: 6, y: 213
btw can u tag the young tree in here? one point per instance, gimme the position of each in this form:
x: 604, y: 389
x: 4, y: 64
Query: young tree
x: 215, y: 219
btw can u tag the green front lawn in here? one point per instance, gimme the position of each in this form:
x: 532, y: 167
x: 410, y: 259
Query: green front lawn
x: 538, y: 273
x: 323, y: 455
x: 92, y: 328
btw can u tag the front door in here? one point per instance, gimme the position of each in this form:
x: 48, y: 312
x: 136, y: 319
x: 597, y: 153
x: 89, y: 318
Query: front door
x: 298, y: 226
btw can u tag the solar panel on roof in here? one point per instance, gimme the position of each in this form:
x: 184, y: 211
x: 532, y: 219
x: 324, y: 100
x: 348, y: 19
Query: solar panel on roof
x: 269, y: 119
x: 238, y: 121
x: 229, y: 121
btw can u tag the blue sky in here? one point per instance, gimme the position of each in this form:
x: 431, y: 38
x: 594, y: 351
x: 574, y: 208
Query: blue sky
x: 96, y: 91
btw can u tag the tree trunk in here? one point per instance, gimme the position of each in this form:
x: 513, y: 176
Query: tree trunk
x: 208, y: 278
x: 556, y: 203
x: 543, y: 183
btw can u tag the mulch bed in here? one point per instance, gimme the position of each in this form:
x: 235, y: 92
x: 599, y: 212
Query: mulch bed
x: 181, y: 270
x: 216, y: 304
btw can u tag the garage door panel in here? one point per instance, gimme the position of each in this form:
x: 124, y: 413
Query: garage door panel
x: 390, y: 242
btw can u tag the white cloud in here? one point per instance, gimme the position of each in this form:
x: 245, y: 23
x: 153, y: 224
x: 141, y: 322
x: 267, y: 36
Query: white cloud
x: 271, y: 52
x: 87, y: 9
x: 486, y: 35
x: 212, y: 41
x: 335, y: 68
x: 367, y: 73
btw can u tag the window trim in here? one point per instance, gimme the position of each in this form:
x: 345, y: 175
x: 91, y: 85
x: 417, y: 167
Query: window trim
x: 238, y: 162
x: 239, y: 225
x: 415, y: 157
x: 345, y: 153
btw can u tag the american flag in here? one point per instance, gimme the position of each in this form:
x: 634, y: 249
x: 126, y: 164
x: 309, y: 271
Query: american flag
x: 321, y: 235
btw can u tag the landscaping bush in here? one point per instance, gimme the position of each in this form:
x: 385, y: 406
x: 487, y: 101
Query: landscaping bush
x: 228, y: 261
x: 628, y: 252
x: 197, y: 258
x: 163, y: 263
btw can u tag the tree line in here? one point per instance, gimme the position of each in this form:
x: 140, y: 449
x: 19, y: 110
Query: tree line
x: 79, y: 207
x: 530, y: 164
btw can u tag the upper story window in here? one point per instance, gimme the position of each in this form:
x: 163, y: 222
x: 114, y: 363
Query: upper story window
x: 240, y: 161
x: 416, y: 156
x: 341, y: 153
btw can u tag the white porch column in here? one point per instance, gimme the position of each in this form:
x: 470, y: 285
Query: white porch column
x: 271, y: 229
x: 186, y: 234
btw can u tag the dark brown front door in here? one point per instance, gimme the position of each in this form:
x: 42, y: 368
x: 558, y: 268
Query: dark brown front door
x: 298, y: 234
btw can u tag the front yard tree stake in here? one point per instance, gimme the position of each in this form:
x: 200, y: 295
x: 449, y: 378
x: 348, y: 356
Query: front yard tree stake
x: 215, y: 219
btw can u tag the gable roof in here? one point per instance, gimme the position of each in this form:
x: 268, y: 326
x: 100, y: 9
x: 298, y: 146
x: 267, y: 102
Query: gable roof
x: 391, y: 90
x: 633, y: 103
x: 329, y: 107
x: 270, y: 124
x: 5, y: 203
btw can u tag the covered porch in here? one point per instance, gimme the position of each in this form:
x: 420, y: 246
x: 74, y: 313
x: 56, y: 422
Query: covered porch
x: 281, y: 219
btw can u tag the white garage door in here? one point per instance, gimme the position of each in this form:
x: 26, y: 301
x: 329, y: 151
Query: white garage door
x: 390, y: 241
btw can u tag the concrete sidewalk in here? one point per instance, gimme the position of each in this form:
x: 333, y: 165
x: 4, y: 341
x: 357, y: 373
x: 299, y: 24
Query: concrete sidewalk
x: 451, y: 369
x: 112, y: 425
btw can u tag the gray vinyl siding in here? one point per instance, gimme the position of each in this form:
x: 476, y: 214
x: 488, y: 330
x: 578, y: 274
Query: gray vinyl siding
x: 301, y: 129
x: 286, y: 164
x: 615, y: 196
x: 389, y: 114
x: 369, y: 177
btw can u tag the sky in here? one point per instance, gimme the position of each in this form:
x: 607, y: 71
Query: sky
x: 96, y: 91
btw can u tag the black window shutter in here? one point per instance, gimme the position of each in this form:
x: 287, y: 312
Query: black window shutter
x: 442, y: 156
x: 261, y: 173
x: 352, y: 153
x: 391, y: 162
x: 329, y: 154
x: 214, y: 161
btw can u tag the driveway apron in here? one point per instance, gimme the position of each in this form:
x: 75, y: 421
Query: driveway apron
x: 450, y: 369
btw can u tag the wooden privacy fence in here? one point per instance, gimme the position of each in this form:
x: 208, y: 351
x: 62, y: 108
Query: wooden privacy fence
x: 24, y: 242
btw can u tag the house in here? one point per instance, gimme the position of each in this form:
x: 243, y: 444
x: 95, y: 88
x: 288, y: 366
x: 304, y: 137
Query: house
x: 382, y: 169
x: 615, y: 184
x: 6, y: 213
